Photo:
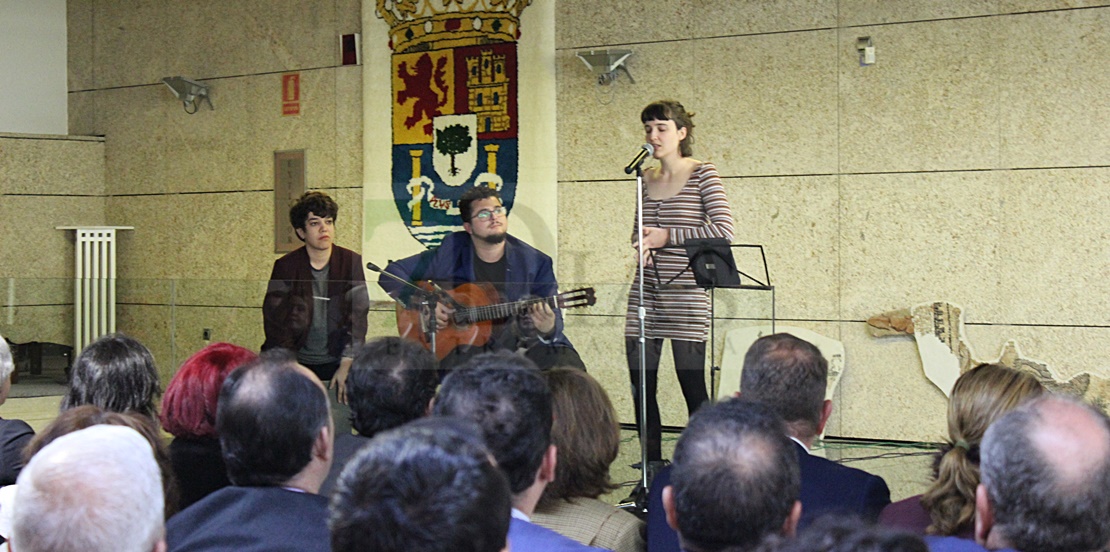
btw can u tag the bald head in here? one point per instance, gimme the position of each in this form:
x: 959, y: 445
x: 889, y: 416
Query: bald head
x: 1045, y: 470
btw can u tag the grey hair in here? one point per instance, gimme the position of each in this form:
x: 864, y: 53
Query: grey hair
x: 94, y: 489
x: 1035, y: 506
x: 7, y: 365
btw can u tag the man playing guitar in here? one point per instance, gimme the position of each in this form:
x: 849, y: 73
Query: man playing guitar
x: 484, y: 252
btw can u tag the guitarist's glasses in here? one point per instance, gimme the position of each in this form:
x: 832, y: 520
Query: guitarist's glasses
x: 486, y: 214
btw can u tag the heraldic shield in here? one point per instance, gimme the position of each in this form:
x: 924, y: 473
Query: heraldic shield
x: 454, y: 73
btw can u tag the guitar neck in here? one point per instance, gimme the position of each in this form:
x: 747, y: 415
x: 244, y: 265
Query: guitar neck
x: 500, y: 310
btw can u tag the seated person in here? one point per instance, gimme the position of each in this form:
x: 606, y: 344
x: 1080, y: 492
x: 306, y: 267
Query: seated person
x: 428, y: 486
x: 979, y: 397
x: 14, y: 434
x: 116, y: 373
x: 391, y: 382
x: 484, y: 252
x: 276, y: 435
x: 189, y: 414
x: 587, y: 436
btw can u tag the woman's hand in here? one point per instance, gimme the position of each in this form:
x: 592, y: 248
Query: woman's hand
x: 653, y: 238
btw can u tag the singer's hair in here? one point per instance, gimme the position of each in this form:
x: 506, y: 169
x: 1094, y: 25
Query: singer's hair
x: 670, y: 110
x: 476, y: 193
x: 317, y: 203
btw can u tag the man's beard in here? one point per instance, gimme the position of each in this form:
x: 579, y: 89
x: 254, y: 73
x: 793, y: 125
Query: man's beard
x: 494, y: 239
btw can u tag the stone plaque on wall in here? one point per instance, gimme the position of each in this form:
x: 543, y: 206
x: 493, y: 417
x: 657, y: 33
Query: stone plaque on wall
x: 289, y: 184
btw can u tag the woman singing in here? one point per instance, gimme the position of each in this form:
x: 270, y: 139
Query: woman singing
x: 683, y: 199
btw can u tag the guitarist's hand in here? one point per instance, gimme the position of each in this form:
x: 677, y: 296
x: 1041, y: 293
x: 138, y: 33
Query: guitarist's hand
x: 443, y: 315
x: 543, y: 318
x: 339, y: 380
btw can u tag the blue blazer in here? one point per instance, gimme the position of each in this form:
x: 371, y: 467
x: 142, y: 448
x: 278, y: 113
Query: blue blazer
x: 252, y: 519
x: 529, y: 537
x: 827, y: 487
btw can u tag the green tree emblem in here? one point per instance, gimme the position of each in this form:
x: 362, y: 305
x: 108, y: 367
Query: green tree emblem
x: 453, y: 140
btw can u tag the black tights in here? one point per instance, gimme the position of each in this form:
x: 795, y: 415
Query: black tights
x: 689, y: 362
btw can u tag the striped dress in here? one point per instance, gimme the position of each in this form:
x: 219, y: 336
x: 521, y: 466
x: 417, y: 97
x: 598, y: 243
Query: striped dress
x: 678, y: 309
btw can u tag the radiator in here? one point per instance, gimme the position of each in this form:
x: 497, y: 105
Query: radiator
x: 94, y: 283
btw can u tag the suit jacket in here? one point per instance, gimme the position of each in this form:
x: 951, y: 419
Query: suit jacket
x: 593, y: 523
x: 827, y: 487
x: 14, y: 435
x: 198, y: 465
x: 252, y: 519
x: 288, y: 305
x: 525, y: 536
x: 955, y: 544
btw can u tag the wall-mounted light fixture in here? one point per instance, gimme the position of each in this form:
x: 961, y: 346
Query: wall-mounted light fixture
x: 190, y: 92
x: 866, y: 51
x: 606, y: 63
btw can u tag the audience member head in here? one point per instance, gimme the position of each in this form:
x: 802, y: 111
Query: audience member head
x: 504, y: 394
x: 189, y: 406
x: 1045, y: 470
x: 475, y: 194
x: 735, y: 479
x: 86, y: 416
x: 846, y: 534
x: 7, y: 367
x: 317, y: 203
x: 430, y: 485
x: 115, y: 373
x: 274, y: 424
x: 94, y: 489
x: 585, y: 432
x: 789, y: 375
x: 979, y: 397
x: 391, y: 382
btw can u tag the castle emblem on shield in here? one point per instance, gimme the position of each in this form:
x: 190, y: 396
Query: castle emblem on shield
x: 454, y: 106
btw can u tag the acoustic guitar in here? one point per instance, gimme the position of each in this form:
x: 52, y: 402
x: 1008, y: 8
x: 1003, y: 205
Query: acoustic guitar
x: 476, y: 309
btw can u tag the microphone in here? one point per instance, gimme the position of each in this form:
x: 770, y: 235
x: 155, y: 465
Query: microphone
x: 373, y: 267
x: 645, y: 151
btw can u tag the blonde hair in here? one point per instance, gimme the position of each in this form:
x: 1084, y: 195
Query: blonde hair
x: 979, y: 397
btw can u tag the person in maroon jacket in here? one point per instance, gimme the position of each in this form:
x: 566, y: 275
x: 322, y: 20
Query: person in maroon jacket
x: 316, y: 302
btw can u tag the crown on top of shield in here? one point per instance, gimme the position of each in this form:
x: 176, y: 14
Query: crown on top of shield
x: 420, y: 25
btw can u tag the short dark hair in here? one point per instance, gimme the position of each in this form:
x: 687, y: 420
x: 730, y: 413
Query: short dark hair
x: 836, y: 533
x: 391, y: 382
x: 477, y: 193
x: 116, y: 373
x: 1035, y: 506
x: 317, y: 203
x: 735, y: 477
x: 269, y: 416
x: 504, y: 394
x: 586, y: 433
x: 671, y: 110
x: 789, y: 375
x: 428, y: 485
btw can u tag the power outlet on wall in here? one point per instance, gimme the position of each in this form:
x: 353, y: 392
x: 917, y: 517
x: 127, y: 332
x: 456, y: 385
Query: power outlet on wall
x: 207, y: 333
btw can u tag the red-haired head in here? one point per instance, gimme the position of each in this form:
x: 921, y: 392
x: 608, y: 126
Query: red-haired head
x: 189, y: 405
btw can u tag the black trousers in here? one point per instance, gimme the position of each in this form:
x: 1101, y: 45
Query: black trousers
x: 689, y: 362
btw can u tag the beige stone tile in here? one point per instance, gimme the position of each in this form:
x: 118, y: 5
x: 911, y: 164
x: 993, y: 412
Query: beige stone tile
x: 240, y: 326
x: 1017, y: 6
x: 38, y: 412
x: 907, y: 469
x: 52, y: 166
x: 884, y: 393
x: 153, y: 146
x: 1054, y: 258
x: 874, y: 12
x: 912, y: 238
x: 1053, y: 89
x: 82, y: 113
x: 45, y: 252
x: 79, y: 39
x: 771, y: 106
x: 597, y: 250
x: 153, y: 326
x: 795, y: 219
x: 138, y: 42
x: 51, y: 322
x: 177, y: 236
x: 929, y: 103
x: 348, y: 129
x: 579, y: 23
x: 1068, y: 351
x: 599, y: 128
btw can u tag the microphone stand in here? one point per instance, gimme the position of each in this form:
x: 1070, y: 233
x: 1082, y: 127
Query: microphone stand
x: 428, y: 301
x: 641, y: 500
